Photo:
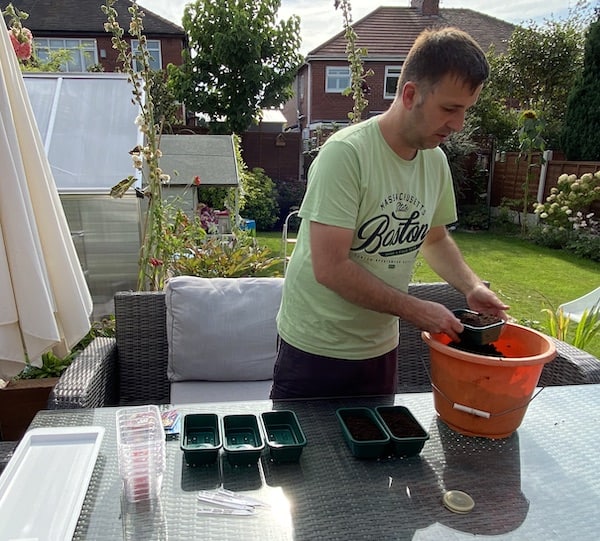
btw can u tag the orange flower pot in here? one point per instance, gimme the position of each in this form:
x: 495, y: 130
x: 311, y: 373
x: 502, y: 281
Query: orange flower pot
x: 480, y: 395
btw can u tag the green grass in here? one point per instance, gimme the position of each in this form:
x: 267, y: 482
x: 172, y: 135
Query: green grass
x: 527, y: 277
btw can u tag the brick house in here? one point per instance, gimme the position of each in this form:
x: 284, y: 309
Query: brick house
x: 387, y: 33
x: 78, y: 26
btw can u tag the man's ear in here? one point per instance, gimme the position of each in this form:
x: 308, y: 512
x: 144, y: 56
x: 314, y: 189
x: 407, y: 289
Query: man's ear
x: 409, y: 95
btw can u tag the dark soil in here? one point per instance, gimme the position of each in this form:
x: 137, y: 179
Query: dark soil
x: 479, y: 349
x: 477, y: 320
x: 400, y: 425
x: 362, y: 428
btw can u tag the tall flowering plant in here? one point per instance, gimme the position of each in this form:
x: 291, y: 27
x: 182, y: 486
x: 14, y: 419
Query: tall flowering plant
x: 152, y: 267
x: 20, y: 37
x: 530, y: 129
x: 358, y: 88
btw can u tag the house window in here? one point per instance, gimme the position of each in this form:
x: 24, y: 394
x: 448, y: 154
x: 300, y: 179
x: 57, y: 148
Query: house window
x: 84, y: 52
x: 337, y: 79
x: 392, y: 73
x: 153, y: 48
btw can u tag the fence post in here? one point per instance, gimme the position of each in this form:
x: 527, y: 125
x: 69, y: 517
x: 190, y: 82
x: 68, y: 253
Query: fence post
x: 546, y: 157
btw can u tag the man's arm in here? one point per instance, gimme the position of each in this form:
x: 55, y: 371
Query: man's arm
x: 333, y: 268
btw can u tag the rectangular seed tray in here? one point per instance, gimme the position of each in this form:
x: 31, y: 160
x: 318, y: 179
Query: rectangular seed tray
x: 365, y: 435
x: 476, y: 335
x: 200, y: 438
x: 407, y: 436
x: 242, y: 439
x: 285, y: 437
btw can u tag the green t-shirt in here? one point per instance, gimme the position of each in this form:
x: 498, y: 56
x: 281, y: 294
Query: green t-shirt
x: 358, y: 182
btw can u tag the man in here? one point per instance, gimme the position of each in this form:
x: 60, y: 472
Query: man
x: 378, y: 192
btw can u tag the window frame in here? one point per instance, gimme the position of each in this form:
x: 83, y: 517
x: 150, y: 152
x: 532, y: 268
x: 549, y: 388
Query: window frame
x: 85, y: 54
x: 329, y: 76
x: 390, y: 73
x: 151, y: 50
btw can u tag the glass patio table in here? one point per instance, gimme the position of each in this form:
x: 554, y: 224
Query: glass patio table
x: 543, y: 482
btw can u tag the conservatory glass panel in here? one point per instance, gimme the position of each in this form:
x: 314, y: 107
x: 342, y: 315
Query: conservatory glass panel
x: 87, y: 123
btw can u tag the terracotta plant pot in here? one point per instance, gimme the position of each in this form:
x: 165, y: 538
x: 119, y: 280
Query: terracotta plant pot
x: 479, y: 395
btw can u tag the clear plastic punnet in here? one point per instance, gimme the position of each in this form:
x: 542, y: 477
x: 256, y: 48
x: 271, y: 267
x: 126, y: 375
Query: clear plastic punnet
x: 141, y: 451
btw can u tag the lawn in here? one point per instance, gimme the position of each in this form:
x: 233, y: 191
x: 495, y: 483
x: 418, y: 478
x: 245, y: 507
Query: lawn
x: 527, y: 277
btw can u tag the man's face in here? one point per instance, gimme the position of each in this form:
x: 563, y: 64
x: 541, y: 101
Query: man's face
x: 439, y: 111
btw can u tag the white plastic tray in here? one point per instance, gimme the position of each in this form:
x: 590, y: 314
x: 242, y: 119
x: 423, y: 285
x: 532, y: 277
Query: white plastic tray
x: 43, y: 486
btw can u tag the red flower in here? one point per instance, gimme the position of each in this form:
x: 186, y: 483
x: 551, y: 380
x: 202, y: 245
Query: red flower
x: 196, y: 180
x: 21, y: 42
x: 155, y: 262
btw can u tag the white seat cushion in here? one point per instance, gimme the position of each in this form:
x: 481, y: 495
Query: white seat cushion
x: 190, y: 392
x: 222, y: 329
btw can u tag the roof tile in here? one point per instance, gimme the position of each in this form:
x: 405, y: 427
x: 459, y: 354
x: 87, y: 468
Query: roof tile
x: 391, y: 31
x: 86, y: 16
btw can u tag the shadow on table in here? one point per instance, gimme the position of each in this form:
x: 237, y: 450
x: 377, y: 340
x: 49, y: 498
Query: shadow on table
x: 400, y: 498
x: 203, y: 477
x: 212, y: 476
x: 489, y: 471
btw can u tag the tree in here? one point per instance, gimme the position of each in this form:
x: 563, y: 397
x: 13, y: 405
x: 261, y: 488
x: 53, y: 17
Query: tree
x: 163, y: 99
x: 582, y: 120
x: 491, y: 114
x: 540, y: 66
x: 241, y: 60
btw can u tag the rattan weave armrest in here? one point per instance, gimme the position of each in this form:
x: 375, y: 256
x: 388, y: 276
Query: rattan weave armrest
x: 91, y: 381
x: 7, y: 449
x: 571, y: 366
x: 143, y: 350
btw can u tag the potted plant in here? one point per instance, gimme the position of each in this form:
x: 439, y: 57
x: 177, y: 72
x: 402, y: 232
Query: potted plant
x: 26, y: 394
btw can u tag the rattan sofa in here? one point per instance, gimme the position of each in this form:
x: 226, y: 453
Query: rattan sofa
x: 132, y: 369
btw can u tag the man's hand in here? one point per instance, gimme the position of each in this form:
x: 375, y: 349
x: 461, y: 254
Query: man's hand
x: 436, y: 318
x: 483, y: 300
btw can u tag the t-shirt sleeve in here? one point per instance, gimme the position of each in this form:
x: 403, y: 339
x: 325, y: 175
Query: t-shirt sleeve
x: 333, y: 191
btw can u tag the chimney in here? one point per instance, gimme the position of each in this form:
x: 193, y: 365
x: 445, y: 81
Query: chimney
x: 426, y: 7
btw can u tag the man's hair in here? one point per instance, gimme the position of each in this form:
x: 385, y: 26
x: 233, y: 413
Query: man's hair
x: 445, y: 51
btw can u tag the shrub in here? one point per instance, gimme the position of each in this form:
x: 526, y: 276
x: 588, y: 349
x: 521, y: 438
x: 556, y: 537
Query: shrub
x: 290, y: 194
x: 260, y: 199
x: 224, y: 257
x: 567, y: 201
x: 551, y: 237
x: 475, y: 217
x: 585, y: 245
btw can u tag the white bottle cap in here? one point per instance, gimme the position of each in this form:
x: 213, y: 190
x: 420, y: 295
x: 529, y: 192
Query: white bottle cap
x: 458, y: 501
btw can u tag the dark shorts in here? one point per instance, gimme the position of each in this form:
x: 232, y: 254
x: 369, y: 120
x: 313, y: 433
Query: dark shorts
x: 298, y: 374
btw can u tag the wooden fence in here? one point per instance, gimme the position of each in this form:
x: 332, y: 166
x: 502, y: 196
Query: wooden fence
x: 509, y: 176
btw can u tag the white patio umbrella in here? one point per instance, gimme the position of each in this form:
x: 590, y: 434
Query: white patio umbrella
x: 44, y: 300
